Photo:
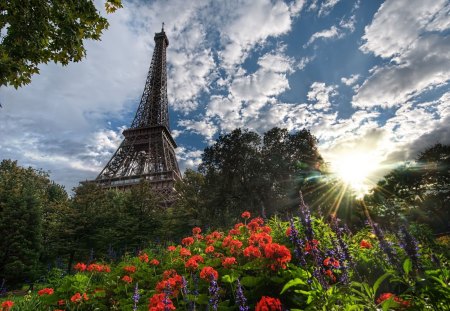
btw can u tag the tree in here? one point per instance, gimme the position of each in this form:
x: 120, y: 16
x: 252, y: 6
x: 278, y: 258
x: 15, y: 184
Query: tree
x: 39, y: 31
x: 244, y: 171
x: 24, y: 194
x: 417, y: 191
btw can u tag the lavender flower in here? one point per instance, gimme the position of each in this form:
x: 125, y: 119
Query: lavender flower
x: 136, y: 297
x: 240, y: 298
x: 213, y: 294
x: 305, y: 216
x: 166, y: 300
x: 297, y: 242
x: 411, y: 247
x: 385, y: 246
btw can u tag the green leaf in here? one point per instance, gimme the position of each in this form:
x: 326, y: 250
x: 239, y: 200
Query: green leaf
x: 291, y: 283
x: 407, y: 266
x: 251, y: 281
x: 379, y: 281
x: 228, y: 278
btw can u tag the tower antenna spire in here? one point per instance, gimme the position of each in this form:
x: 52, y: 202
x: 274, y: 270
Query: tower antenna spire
x: 162, y: 28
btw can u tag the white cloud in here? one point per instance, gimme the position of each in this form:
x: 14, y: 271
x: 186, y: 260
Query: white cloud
x: 333, y: 32
x: 327, y: 6
x: 321, y: 94
x: 350, y: 80
x: 419, y: 58
x: 398, y: 23
x: 426, y: 64
x: 202, y: 127
x: 304, y: 61
x: 188, y: 158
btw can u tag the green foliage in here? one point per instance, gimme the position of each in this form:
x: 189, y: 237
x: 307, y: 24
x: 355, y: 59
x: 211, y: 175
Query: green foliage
x: 416, y: 191
x: 40, y: 31
x: 25, y: 195
x: 298, y: 286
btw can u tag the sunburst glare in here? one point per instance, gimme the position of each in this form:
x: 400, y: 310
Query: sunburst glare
x: 355, y: 170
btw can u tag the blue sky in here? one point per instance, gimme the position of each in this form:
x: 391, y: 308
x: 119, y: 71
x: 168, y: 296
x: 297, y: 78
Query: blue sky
x: 369, y: 79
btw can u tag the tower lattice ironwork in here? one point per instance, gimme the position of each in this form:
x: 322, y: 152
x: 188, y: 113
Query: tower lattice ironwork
x: 148, y: 150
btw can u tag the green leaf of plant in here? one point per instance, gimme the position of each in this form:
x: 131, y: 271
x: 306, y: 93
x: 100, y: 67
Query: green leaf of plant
x: 407, y: 266
x: 228, y: 278
x: 251, y: 281
x: 378, y: 282
x: 291, y: 283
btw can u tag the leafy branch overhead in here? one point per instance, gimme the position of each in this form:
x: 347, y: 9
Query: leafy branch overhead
x: 37, y: 31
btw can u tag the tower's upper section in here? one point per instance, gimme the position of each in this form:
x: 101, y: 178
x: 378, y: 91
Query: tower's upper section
x: 153, y: 108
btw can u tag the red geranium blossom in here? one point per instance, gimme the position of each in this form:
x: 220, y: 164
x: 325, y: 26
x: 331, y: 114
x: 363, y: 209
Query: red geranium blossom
x: 386, y: 296
x: 185, y: 252
x: 245, y: 215
x: 187, y: 241
x: 6, y: 305
x: 143, y: 257
x: 171, y: 248
x: 208, y: 272
x: 170, y: 279
x: 260, y: 239
x: 129, y: 269
x: 127, y: 279
x: 252, y: 251
x: 288, y: 231
x: 98, y: 268
x: 46, y: 291
x: 77, y: 297
x: 209, y: 249
x: 329, y: 261
x: 365, y: 244
x: 279, y: 253
x: 159, y: 302
x: 228, y: 262
x: 80, y: 266
x: 192, y: 263
x: 330, y: 274
x: 311, y: 245
x: 196, y: 230
x: 268, y: 304
x: 61, y: 302
x: 154, y: 262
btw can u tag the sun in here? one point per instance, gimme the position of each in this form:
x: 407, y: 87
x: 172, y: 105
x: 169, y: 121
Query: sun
x: 355, y: 170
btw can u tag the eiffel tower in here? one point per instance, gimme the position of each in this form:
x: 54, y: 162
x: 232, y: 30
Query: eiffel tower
x: 147, y: 152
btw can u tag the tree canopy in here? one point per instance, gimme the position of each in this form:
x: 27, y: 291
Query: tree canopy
x: 39, y: 31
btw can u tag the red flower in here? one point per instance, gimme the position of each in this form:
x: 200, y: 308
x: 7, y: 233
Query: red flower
x: 252, y: 251
x: 61, y: 302
x: 329, y: 261
x: 255, y: 223
x: 208, y: 272
x: 127, y: 279
x: 245, y: 215
x: 268, y: 304
x: 77, y: 297
x: 260, y: 239
x: 80, y: 266
x: 311, y: 246
x: 192, y: 263
x: 365, y: 244
x: 159, y: 302
x: 386, y: 296
x: 46, y: 291
x: 209, y: 249
x: 330, y: 274
x: 228, y: 262
x: 288, y: 231
x: 98, y: 268
x: 196, y: 230
x: 171, y: 248
x: 6, y: 305
x: 154, y: 262
x: 279, y: 253
x: 170, y: 279
x: 129, y: 269
x: 185, y: 252
x: 143, y: 257
x: 187, y: 241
